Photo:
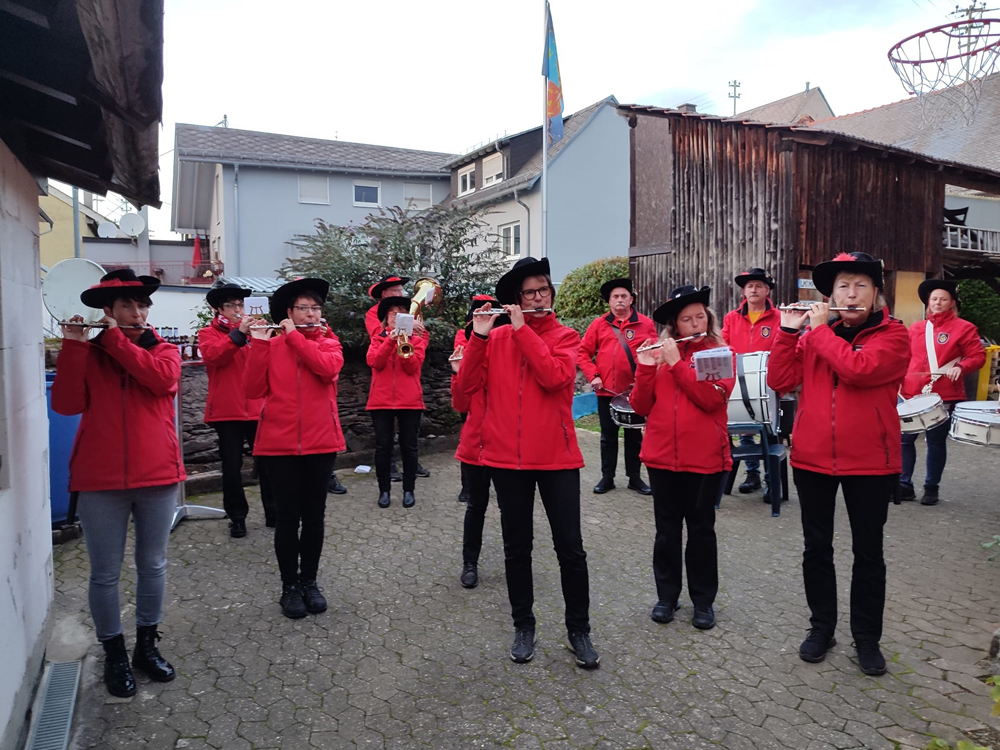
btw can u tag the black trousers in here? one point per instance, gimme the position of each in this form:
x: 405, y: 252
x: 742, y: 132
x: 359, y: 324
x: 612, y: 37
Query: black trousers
x: 384, y: 421
x: 477, y: 480
x: 560, y: 492
x: 299, y: 484
x: 679, y: 498
x: 609, y: 443
x: 231, y: 438
x: 867, y: 499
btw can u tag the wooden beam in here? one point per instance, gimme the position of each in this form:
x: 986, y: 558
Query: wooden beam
x: 25, y: 14
x: 37, y: 86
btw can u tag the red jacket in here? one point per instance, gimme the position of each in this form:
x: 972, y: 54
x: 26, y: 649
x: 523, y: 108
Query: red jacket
x: 846, y: 422
x: 395, y: 381
x: 127, y: 438
x: 528, y: 377
x: 612, y: 364
x: 295, y: 372
x: 470, y: 443
x: 686, y: 417
x: 226, y: 365
x: 744, y: 337
x: 954, y: 338
x: 372, y: 324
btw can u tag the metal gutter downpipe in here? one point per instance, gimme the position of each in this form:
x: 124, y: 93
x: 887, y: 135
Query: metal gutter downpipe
x: 527, y: 244
x: 236, y: 226
x: 76, y: 222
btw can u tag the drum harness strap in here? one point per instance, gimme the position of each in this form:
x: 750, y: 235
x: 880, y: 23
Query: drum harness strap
x: 932, y: 359
x: 741, y: 375
x: 624, y: 343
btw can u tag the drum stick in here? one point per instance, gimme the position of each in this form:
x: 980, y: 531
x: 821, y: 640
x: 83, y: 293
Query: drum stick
x: 136, y: 326
x: 677, y: 341
x: 504, y: 312
x: 806, y: 308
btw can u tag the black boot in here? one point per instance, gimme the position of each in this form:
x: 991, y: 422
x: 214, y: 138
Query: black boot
x: 117, y: 673
x: 384, y: 500
x: 147, y: 656
x: 394, y: 474
x: 750, y: 484
x: 335, y: 486
x: 422, y: 472
x: 313, y: 597
x: 408, y: 499
x: 606, y: 483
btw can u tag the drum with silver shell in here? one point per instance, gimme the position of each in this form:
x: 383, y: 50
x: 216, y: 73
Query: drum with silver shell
x: 623, y: 415
x: 921, y: 413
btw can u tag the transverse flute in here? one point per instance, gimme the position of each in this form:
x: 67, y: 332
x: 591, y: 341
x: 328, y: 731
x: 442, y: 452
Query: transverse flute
x: 801, y: 307
x: 504, y: 312
x: 136, y: 326
x: 278, y: 328
x: 676, y: 341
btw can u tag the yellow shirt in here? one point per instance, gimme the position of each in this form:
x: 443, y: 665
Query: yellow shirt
x: 754, y: 317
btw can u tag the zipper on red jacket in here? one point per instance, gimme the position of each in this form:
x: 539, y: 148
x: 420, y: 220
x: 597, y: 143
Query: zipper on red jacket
x: 833, y: 421
x: 520, y: 407
x: 125, y: 428
x: 298, y: 387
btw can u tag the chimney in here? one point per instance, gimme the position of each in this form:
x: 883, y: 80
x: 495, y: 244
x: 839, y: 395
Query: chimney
x: 688, y: 109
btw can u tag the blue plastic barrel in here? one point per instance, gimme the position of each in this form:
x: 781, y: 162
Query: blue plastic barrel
x: 584, y: 404
x: 62, y: 433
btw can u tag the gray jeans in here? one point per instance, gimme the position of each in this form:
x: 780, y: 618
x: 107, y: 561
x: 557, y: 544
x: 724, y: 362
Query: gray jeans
x: 105, y: 517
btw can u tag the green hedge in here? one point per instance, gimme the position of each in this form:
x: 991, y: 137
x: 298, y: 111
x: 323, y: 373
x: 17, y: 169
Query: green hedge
x: 981, y: 305
x: 580, y: 293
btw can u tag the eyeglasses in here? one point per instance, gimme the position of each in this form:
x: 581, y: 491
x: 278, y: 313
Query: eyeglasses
x: 234, y: 305
x: 308, y: 308
x: 542, y: 291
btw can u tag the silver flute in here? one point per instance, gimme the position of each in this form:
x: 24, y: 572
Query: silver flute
x: 504, y: 312
x: 801, y: 307
x: 278, y: 327
x: 135, y: 326
x: 676, y: 341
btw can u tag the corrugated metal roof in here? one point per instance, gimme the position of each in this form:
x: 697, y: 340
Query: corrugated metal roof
x: 258, y: 284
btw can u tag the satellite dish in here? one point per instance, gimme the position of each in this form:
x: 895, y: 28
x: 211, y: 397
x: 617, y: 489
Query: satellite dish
x: 107, y: 230
x: 62, y: 286
x: 132, y: 224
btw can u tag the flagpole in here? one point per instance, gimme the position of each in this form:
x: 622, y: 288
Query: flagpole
x: 545, y: 138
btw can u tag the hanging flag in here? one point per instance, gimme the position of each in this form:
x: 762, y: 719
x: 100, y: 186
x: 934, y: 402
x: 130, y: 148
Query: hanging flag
x: 550, y: 69
x: 196, y: 256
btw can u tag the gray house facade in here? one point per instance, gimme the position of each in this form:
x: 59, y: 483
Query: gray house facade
x: 588, y: 189
x: 251, y: 193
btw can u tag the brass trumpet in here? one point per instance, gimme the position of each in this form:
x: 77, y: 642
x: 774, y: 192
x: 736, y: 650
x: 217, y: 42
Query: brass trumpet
x: 426, y: 293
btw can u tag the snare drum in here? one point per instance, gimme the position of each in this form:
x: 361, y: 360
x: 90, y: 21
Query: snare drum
x: 623, y: 415
x: 920, y: 413
x: 763, y: 403
x: 975, y: 428
x: 978, y: 407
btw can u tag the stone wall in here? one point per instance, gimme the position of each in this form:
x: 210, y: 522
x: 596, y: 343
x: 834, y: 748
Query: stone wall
x: 201, y: 445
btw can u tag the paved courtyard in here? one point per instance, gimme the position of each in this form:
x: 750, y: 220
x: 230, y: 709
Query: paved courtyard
x: 407, y: 658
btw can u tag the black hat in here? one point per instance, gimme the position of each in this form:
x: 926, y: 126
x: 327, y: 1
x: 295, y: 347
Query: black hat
x: 926, y: 287
x: 218, y: 295
x: 754, y: 274
x: 478, y: 300
x: 375, y: 290
x: 284, y: 296
x: 118, y: 283
x: 609, y: 286
x: 680, y: 298
x: 857, y: 262
x: 386, y: 304
x: 509, y: 284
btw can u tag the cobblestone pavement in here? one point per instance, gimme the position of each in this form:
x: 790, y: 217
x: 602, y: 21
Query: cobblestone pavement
x: 407, y: 658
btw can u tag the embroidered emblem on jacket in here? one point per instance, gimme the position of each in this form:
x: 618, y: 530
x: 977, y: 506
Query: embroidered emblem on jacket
x: 942, y: 338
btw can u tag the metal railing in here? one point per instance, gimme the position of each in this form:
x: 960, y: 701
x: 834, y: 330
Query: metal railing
x: 173, y: 271
x: 971, y: 239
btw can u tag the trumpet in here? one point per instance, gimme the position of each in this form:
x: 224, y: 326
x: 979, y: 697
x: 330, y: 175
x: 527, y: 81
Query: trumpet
x: 426, y: 292
x: 659, y: 345
x: 525, y: 310
x: 803, y: 307
x: 136, y: 326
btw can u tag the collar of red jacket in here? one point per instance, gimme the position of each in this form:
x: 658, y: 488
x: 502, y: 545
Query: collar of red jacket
x: 745, y: 307
x: 633, y: 318
x: 222, y: 323
x: 886, y: 319
x: 942, y: 317
x: 543, y: 323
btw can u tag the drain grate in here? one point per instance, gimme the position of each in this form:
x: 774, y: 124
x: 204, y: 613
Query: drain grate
x: 58, y: 701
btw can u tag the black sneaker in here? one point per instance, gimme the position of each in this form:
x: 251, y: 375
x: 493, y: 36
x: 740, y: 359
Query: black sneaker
x: 292, y: 604
x: 906, y: 492
x: 813, y: 649
x: 422, y: 472
x: 335, y: 487
x: 237, y: 528
x: 636, y: 483
x: 464, y: 496
x: 930, y: 497
x: 604, y: 485
x: 523, y: 648
x: 394, y: 474
x: 663, y: 612
x: 870, y: 658
x: 750, y: 484
x: 704, y: 618
x: 586, y: 655
x: 314, y: 600
x: 470, y: 575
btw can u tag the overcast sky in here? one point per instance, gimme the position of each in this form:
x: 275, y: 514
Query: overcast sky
x: 444, y: 75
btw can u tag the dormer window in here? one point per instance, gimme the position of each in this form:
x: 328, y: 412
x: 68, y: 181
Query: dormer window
x: 467, y: 180
x: 492, y: 169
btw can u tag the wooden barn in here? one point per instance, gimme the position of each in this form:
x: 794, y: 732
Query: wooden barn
x: 711, y: 197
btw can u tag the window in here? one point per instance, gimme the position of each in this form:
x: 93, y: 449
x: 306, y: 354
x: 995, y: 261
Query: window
x: 492, y: 169
x: 367, y: 193
x: 467, y: 180
x: 416, y: 196
x: 510, y: 238
x: 314, y: 188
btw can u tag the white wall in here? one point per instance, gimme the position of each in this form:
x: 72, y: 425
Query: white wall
x: 25, y: 530
x: 984, y: 212
x: 176, y: 306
